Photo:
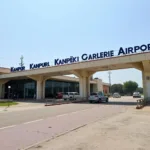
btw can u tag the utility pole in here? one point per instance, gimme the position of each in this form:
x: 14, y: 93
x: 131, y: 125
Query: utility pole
x: 109, y: 77
x: 21, y: 61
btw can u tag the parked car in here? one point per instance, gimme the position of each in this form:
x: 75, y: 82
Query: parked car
x: 59, y: 95
x: 71, y: 95
x: 116, y: 95
x: 136, y: 95
x: 98, y: 97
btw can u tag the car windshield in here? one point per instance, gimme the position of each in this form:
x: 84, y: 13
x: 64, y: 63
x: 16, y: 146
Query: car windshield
x: 65, y: 93
x: 136, y: 92
x: 116, y: 93
x: 101, y: 93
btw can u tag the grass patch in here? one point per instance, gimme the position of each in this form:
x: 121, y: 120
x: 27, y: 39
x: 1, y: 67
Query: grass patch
x: 5, y: 103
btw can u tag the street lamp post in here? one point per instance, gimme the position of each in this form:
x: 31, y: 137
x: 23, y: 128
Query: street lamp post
x: 9, y: 87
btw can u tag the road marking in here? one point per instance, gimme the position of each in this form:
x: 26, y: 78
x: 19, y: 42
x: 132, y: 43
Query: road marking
x: 74, y: 112
x: 50, y: 117
x: 7, y: 127
x: 32, y: 121
x: 61, y: 115
x: 78, y: 111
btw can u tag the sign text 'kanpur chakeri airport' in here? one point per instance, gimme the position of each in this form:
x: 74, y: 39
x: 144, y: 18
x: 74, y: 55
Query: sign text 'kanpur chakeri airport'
x: 86, y: 57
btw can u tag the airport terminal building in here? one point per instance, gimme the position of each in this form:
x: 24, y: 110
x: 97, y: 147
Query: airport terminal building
x: 42, y: 80
x: 26, y: 88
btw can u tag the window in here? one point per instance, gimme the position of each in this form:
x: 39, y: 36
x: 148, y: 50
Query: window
x: 93, y: 93
x: 25, y: 88
x: 76, y: 93
x: 65, y: 86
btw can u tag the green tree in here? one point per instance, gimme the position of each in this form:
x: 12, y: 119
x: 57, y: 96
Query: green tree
x: 129, y: 87
x: 117, y: 88
x: 140, y: 89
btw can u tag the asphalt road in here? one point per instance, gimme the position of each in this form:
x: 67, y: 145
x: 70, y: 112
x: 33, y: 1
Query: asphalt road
x: 24, y: 128
x: 18, y: 117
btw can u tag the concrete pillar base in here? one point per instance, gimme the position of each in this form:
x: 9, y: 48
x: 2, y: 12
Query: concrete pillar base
x: 146, y: 85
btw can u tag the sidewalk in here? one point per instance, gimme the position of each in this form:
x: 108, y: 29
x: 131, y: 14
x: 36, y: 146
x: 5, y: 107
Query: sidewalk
x: 21, y: 106
x: 127, y: 131
x: 35, y: 105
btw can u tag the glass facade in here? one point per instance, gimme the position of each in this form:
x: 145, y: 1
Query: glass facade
x: 54, y: 86
x: 25, y: 88
x: 91, y: 88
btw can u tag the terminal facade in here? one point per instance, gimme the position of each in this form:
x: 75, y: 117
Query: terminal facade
x: 44, y: 78
x: 26, y: 88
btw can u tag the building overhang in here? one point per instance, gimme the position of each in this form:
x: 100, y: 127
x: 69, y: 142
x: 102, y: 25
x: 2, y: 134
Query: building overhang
x: 4, y: 70
x: 113, y: 63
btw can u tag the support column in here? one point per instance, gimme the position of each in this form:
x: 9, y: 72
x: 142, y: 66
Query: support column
x: 146, y: 85
x: 146, y: 79
x: 1, y: 91
x: 40, y: 86
x: 84, y: 81
x: 39, y: 89
x: 43, y: 89
x: 2, y: 88
x: 84, y: 86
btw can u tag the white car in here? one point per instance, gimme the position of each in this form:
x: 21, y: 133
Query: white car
x: 71, y: 95
x: 136, y: 95
x: 116, y: 95
x: 97, y: 97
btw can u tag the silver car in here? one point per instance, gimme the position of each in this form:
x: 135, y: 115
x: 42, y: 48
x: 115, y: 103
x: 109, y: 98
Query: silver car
x: 116, y: 95
x: 97, y: 97
x: 71, y: 96
x: 136, y: 95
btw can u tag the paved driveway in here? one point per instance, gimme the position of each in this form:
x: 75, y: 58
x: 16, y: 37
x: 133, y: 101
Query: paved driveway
x: 24, y: 128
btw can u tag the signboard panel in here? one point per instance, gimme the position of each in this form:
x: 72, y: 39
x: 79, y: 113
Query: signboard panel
x: 86, y: 57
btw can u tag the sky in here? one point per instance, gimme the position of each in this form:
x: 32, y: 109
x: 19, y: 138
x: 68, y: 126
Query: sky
x: 49, y: 29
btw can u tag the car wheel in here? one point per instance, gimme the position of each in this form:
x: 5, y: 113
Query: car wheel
x: 90, y: 101
x: 99, y: 101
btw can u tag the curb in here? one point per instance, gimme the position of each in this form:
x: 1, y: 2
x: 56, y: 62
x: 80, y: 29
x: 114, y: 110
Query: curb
x: 56, y: 104
x: 65, y: 103
x: 80, y: 101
